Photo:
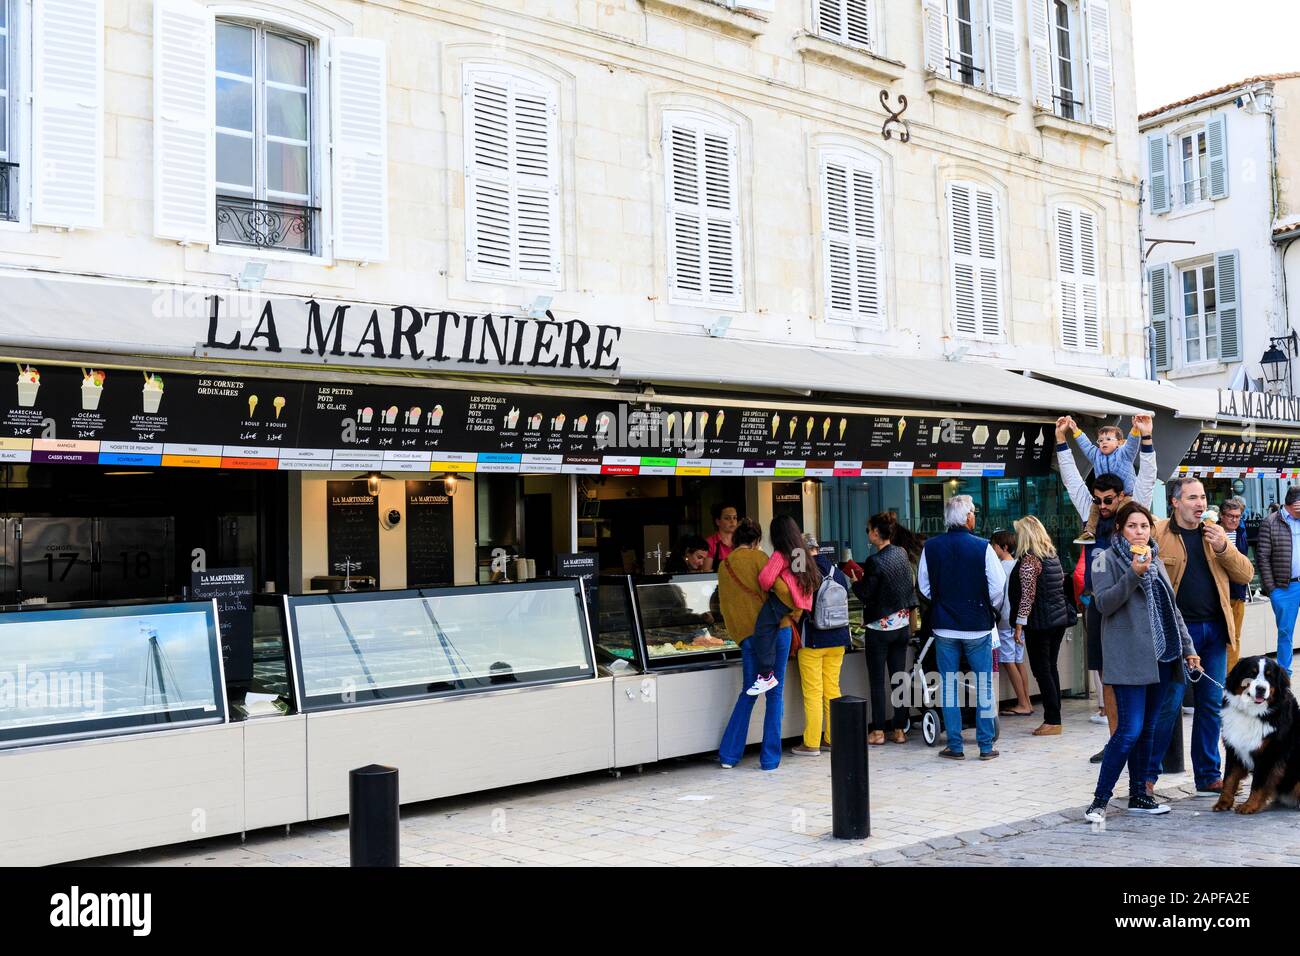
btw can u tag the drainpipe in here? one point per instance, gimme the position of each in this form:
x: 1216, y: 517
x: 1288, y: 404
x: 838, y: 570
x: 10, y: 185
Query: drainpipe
x: 1148, y: 328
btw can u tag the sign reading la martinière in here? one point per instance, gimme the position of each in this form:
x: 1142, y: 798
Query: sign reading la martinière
x: 1259, y: 406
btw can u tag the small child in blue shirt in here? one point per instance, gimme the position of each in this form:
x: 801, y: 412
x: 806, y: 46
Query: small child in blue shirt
x: 1111, y: 455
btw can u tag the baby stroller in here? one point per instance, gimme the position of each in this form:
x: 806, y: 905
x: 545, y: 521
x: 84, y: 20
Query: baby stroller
x: 930, y: 697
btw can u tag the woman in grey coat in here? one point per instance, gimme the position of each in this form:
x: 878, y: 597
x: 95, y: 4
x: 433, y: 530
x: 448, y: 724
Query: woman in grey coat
x: 1144, y: 642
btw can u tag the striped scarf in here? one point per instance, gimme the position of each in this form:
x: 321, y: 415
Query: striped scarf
x: 1160, y: 600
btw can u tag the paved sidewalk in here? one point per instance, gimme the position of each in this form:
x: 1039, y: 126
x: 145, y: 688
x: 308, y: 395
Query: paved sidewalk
x: 693, y: 813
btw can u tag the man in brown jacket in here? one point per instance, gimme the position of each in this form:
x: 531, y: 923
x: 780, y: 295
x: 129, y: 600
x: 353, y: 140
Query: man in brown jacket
x: 1201, y: 562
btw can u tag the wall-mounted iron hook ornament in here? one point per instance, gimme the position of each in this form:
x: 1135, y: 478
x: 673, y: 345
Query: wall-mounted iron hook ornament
x: 895, y: 117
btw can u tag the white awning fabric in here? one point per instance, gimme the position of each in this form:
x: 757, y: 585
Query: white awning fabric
x: 665, y: 358
x: 1197, y: 403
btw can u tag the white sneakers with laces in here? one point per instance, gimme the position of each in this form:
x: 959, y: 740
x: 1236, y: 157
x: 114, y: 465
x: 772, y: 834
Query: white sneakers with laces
x: 762, y: 684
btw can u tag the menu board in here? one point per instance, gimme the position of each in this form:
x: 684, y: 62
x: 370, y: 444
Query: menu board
x: 1237, y: 452
x: 429, y: 534
x: 352, y: 529
x: 586, y: 567
x: 71, y: 415
x: 233, y: 590
x: 787, y: 499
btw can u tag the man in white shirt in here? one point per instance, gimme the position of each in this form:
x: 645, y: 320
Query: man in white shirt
x: 962, y: 577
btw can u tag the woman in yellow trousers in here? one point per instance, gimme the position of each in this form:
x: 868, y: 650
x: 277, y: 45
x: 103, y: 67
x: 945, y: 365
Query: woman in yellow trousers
x: 822, y: 653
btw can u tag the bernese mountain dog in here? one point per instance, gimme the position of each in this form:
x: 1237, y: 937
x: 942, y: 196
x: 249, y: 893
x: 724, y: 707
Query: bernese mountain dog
x: 1261, y: 734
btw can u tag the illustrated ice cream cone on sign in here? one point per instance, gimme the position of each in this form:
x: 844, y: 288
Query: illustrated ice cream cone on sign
x: 826, y: 428
x: 152, y: 392
x: 794, y: 423
x: 704, y: 423
x: 776, y: 423
x: 29, y: 382
x: 687, y: 419
x: 252, y: 406
x: 278, y: 404
x: 902, y: 427
x: 717, y: 422
x: 807, y: 428
x: 92, y: 387
x: 844, y: 423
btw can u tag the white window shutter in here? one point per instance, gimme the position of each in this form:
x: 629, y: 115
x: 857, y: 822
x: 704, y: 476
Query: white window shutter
x: 851, y: 245
x: 68, y: 113
x: 976, y: 261
x: 1089, y: 281
x: 859, y: 23
x: 1004, y: 47
x: 1216, y: 148
x: 1101, y: 72
x: 830, y: 19
x: 1227, y: 279
x: 359, y: 116
x: 183, y: 94
x: 1040, y: 54
x: 512, y: 179
x: 703, y: 211
x: 1159, y: 278
x: 936, y: 36
x: 1067, y: 269
x: 1158, y: 167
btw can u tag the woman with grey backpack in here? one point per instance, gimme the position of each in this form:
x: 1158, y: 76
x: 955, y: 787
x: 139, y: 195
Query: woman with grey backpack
x: 821, y: 656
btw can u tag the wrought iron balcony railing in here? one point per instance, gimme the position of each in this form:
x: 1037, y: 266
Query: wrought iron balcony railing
x: 9, y: 192
x: 264, y: 224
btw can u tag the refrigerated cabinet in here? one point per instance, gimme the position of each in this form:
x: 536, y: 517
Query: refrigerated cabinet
x: 677, y: 668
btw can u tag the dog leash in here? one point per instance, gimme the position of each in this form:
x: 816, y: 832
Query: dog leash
x: 1199, y: 674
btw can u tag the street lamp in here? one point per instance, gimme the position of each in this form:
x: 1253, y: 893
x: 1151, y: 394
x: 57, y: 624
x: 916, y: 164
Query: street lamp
x: 1276, y: 363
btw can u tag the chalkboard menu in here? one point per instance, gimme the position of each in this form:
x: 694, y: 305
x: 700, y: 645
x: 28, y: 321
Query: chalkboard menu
x: 352, y: 528
x: 1216, y: 452
x: 428, y: 534
x: 787, y: 499
x: 233, y: 590
x: 585, y: 566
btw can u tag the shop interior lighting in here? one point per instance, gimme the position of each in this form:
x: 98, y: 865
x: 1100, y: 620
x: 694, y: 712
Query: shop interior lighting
x: 372, y: 480
x: 251, y: 276
x: 450, y: 482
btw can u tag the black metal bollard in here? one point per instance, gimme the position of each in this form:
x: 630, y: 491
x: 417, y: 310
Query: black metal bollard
x: 373, y: 815
x: 850, y: 790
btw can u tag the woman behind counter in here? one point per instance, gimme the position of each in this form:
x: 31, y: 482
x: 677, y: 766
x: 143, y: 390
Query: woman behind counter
x: 1144, y: 644
x: 742, y: 600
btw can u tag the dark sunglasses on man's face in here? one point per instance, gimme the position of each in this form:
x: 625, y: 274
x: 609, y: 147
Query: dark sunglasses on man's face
x: 1104, y: 501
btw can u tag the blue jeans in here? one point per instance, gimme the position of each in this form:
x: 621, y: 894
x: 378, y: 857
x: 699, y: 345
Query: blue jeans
x: 732, y: 747
x: 1138, y: 708
x: 1169, y: 708
x: 979, y: 656
x: 1286, y: 604
x: 1211, y: 641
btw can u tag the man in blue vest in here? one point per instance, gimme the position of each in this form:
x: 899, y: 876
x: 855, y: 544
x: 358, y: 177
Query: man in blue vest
x: 961, y: 575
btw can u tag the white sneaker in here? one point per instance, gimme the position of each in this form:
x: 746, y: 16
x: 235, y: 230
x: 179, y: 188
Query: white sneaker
x: 1095, y: 813
x: 1097, y: 719
x: 762, y: 685
x: 1190, y: 711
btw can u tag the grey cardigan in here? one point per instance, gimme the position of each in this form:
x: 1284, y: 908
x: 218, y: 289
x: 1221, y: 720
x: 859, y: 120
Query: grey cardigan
x: 1127, y: 654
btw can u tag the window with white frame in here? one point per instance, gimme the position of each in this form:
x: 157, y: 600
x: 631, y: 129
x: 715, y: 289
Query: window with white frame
x: 1078, y: 279
x: 1067, y: 74
x: 975, y: 260
x: 852, y: 245
x: 848, y: 21
x: 702, y: 163
x: 1200, y: 330
x: 1193, y: 167
x: 512, y: 177
x: 974, y: 42
x: 1188, y: 166
x: 265, y: 141
x: 9, y: 167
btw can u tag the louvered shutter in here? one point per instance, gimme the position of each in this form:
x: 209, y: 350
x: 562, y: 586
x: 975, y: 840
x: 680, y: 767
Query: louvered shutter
x: 1158, y: 166
x: 936, y: 36
x: 1228, y: 292
x: 183, y: 120
x: 1216, y: 148
x: 1101, y: 73
x: 360, y: 135
x: 848, y: 21
x: 976, y: 261
x: 1077, y: 277
x: 1040, y: 54
x: 68, y: 113
x: 851, y: 249
x: 1004, y: 47
x: 512, y: 171
x: 1159, y: 278
x: 703, y: 211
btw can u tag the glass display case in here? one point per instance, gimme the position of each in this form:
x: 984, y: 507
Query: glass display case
x: 663, y: 620
x: 86, y: 671
x: 365, y: 648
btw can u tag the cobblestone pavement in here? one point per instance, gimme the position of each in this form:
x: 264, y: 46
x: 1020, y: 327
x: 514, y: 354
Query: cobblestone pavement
x: 1190, y: 835
x: 693, y: 813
